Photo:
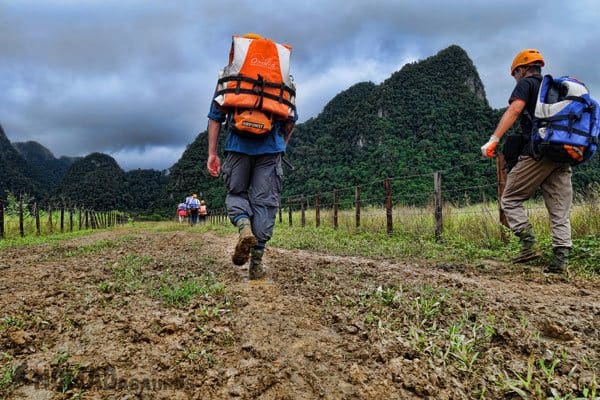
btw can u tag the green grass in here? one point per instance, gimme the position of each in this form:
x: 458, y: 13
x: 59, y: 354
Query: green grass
x: 470, y: 234
x: 179, y: 292
x: 40, y: 240
x: 7, y: 372
x: 456, y: 330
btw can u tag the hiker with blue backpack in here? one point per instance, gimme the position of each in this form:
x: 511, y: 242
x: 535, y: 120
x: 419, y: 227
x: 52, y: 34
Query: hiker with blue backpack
x: 193, y: 204
x: 558, y: 129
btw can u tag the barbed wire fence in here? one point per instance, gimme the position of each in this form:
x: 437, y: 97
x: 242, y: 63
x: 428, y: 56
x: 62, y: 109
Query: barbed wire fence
x: 381, y: 205
x: 26, y: 219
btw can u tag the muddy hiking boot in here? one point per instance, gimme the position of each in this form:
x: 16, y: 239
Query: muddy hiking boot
x: 559, y: 261
x: 245, y: 242
x: 257, y: 270
x: 528, y: 251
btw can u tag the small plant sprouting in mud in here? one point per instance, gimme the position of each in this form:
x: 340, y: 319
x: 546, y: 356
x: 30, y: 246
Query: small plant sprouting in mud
x: 548, y: 370
x: 205, y: 312
x: 7, y: 371
x: 537, y: 383
x: 525, y: 385
x: 428, y: 304
x: 461, y: 347
x: 10, y: 321
x: 62, y: 358
x: 179, y: 293
x: 104, y: 287
x: 196, y: 353
x: 68, y: 376
x: 128, y: 273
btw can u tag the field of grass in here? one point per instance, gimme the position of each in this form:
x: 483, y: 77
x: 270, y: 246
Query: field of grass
x: 469, y: 234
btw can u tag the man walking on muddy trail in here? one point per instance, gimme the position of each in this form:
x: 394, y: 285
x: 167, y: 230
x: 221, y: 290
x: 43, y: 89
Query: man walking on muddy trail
x: 528, y: 173
x: 255, y: 96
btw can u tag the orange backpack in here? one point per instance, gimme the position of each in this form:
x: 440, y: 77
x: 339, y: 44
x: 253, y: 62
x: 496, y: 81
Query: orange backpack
x: 257, y: 85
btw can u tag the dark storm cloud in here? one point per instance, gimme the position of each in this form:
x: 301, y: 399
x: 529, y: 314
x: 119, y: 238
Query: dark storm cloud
x: 134, y: 78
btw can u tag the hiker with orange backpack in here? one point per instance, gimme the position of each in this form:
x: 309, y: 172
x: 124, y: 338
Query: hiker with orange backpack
x: 202, y: 212
x: 255, y: 96
x: 530, y: 171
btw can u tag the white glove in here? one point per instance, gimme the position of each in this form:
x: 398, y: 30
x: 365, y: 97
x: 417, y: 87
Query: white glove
x: 489, y: 149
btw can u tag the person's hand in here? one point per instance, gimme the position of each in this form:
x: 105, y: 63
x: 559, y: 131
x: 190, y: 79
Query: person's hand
x: 213, y: 165
x: 489, y: 149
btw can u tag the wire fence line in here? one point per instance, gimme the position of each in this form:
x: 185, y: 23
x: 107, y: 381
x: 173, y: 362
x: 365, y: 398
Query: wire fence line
x: 24, y: 219
x: 388, y: 210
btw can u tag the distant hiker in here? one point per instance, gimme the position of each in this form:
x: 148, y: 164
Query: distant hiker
x: 181, y: 212
x: 256, y: 96
x: 202, y: 212
x: 192, y: 205
x: 529, y: 173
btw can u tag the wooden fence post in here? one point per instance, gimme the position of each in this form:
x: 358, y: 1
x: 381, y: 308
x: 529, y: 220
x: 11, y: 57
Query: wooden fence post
x: 36, y: 213
x: 335, y: 209
x: 437, y: 187
x: 501, y: 174
x: 289, y: 203
x: 50, y: 222
x: 357, y: 204
x: 388, y: 206
x: 21, y: 227
x: 62, y: 218
x: 1, y: 219
x: 317, y: 211
x: 302, y: 212
x: 70, y: 219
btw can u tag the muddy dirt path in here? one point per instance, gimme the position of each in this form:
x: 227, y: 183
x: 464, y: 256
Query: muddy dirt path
x: 133, y: 314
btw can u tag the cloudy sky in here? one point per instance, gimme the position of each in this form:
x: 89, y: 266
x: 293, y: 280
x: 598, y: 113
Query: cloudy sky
x: 134, y: 78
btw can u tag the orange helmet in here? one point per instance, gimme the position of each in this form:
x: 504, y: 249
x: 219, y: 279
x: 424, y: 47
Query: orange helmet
x: 526, y: 57
x: 252, y: 36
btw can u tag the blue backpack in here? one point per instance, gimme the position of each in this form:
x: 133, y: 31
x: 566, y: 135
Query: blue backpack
x: 565, y: 125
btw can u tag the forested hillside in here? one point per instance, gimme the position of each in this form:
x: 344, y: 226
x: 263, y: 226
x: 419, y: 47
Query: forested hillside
x: 51, y: 169
x: 96, y: 181
x: 428, y: 116
x: 16, y: 174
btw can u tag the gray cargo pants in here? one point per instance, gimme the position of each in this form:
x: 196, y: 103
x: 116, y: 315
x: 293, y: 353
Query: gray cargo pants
x: 253, y: 186
x: 555, y: 181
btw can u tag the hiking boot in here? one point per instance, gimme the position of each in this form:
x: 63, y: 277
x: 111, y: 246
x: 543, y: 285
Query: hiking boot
x: 528, y: 251
x: 256, y: 270
x: 245, y: 242
x: 559, y: 261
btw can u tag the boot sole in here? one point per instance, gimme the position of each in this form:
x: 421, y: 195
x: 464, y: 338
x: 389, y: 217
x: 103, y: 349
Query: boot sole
x: 241, y: 255
x: 527, y: 257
